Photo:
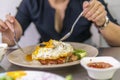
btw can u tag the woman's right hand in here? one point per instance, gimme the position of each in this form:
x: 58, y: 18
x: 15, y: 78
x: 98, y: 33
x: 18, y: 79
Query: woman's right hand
x: 8, y: 27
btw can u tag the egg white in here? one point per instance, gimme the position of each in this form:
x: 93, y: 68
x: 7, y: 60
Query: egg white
x: 60, y: 49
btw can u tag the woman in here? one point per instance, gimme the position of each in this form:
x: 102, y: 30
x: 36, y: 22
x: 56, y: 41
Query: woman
x: 54, y: 18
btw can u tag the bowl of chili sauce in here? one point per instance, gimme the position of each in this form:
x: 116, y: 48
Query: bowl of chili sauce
x: 102, y: 67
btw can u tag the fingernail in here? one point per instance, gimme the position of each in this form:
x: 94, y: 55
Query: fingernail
x: 85, y: 3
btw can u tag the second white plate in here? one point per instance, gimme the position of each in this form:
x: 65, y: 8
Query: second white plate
x: 31, y: 75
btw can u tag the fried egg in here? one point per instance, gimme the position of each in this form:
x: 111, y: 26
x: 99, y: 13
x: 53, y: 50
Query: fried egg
x: 53, y: 49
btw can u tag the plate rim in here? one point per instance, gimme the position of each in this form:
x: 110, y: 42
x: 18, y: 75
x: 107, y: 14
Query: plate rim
x: 35, y: 71
x: 53, y: 66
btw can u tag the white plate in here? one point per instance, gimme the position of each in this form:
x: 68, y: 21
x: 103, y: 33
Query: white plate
x: 15, y: 56
x: 33, y: 75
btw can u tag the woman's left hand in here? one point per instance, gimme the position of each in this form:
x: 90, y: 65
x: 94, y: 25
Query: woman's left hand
x: 94, y: 11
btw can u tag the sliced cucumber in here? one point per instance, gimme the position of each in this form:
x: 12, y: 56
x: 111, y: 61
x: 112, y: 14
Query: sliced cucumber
x: 80, y: 53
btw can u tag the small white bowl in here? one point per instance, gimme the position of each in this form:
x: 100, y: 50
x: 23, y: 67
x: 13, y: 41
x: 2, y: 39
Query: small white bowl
x: 97, y: 73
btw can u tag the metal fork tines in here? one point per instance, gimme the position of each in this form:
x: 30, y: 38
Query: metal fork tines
x: 70, y: 32
x: 17, y: 42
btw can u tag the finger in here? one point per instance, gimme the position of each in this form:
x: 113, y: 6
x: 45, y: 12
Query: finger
x: 85, y: 4
x: 85, y: 7
x: 10, y: 18
x: 89, y: 6
x: 10, y: 25
x: 98, y: 12
x: 93, y: 10
x: 1, y: 29
x: 3, y: 25
x: 99, y: 20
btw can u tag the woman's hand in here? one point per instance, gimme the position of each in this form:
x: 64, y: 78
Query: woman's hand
x: 8, y: 27
x: 94, y: 11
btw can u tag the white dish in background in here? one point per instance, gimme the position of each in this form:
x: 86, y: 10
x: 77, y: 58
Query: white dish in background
x: 97, y: 73
x: 3, y: 47
x: 31, y: 75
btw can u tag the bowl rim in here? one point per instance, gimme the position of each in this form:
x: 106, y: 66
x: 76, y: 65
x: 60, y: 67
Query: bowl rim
x: 114, y: 67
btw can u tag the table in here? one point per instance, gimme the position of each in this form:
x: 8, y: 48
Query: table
x: 77, y: 71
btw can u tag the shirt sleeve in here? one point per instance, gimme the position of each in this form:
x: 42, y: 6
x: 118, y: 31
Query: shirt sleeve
x: 23, y: 14
x: 108, y: 12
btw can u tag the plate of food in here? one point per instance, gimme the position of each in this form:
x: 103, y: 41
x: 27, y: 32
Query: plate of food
x: 29, y: 75
x: 52, y: 54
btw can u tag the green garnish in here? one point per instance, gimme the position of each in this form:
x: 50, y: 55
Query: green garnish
x: 68, y: 77
x: 80, y: 53
x: 6, y: 78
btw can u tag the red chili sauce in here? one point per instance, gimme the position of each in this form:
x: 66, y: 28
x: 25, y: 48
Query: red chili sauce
x: 100, y: 65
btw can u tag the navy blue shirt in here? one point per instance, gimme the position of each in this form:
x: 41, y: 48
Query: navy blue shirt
x: 42, y: 15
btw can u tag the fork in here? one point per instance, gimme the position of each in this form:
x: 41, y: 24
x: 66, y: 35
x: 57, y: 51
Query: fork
x: 70, y: 32
x: 14, y: 34
x: 15, y: 40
